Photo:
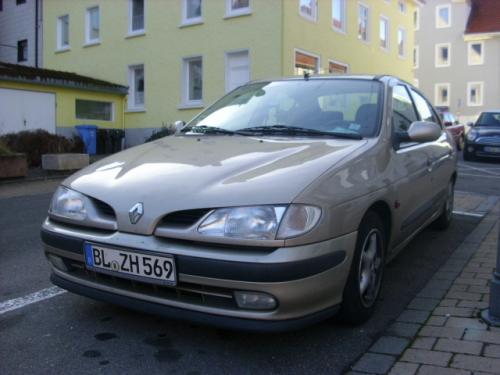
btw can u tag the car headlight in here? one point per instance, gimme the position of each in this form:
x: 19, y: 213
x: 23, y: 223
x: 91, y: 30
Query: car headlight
x: 260, y: 222
x: 472, y: 135
x: 69, y: 204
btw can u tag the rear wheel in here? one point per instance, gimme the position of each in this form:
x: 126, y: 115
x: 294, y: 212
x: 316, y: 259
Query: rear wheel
x: 365, y: 278
x: 444, y: 220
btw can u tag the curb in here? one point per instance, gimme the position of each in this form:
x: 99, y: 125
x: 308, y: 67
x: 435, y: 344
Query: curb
x: 385, y: 352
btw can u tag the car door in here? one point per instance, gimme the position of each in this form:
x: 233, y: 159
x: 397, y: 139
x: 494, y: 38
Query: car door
x: 441, y: 153
x: 412, y: 180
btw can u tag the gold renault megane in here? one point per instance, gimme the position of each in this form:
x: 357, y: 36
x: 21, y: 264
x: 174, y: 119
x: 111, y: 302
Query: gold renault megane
x: 276, y: 207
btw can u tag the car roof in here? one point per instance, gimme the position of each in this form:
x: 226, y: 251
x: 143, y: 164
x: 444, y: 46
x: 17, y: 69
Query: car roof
x: 367, y: 77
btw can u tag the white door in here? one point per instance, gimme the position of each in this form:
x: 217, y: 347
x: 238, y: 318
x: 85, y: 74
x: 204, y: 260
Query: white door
x: 237, y: 69
x: 27, y: 110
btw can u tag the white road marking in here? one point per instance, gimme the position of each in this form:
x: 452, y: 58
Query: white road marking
x: 477, y: 175
x: 484, y: 170
x: 17, y: 303
x: 463, y: 213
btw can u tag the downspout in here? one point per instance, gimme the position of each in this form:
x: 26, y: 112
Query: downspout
x: 36, y: 33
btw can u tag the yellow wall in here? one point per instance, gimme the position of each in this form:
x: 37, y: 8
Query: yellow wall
x: 362, y: 57
x: 65, y: 103
x: 162, y: 48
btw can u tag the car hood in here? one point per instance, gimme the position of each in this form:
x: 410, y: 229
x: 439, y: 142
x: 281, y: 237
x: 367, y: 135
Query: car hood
x: 487, y: 131
x: 189, y: 172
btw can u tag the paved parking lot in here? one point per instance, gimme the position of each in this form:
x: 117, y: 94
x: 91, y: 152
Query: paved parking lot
x: 72, y: 334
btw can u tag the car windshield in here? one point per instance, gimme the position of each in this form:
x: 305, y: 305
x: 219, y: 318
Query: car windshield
x: 489, y: 119
x: 346, y: 108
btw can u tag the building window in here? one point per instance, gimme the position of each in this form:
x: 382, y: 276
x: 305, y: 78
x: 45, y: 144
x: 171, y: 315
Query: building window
x: 443, y: 55
x: 93, y: 110
x: 19, y: 2
x: 442, y: 94
x: 193, y: 81
x: 191, y: 12
x: 475, y: 53
x: 308, y: 9
x: 339, y: 15
x: 363, y: 22
x: 237, y: 69
x: 22, y: 50
x: 237, y: 7
x: 335, y: 67
x: 136, y: 87
x: 416, y: 19
x: 306, y: 63
x: 443, y: 16
x: 401, y: 42
x: 1, y: 5
x: 93, y: 25
x: 136, y: 16
x: 63, y: 32
x: 384, y: 32
x: 402, y: 6
x: 474, y: 94
x: 416, y: 57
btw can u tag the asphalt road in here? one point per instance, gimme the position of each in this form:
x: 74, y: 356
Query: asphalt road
x: 72, y: 334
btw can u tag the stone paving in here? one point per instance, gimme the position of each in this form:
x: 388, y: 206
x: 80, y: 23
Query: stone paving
x: 441, y: 332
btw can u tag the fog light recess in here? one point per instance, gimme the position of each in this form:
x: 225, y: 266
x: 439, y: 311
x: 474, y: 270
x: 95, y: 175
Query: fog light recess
x: 470, y: 149
x: 255, y: 300
x: 57, y: 262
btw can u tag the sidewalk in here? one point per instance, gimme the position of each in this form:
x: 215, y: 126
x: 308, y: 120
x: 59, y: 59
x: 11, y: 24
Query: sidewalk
x: 440, y: 332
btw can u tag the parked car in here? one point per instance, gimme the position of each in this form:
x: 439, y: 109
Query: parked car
x: 483, y: 140
x: 454, y: 126
x: 276, y: 207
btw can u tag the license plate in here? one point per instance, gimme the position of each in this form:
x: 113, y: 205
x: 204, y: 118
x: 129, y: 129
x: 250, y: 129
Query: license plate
x: 131, y: 264
x: 495, y: 150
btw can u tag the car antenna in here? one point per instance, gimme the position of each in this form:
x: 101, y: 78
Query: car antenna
x: 306, y: 76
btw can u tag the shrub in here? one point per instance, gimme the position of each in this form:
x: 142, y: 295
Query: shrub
x: 4, y: 150
x: 164, y: 131
x: 35, y: 143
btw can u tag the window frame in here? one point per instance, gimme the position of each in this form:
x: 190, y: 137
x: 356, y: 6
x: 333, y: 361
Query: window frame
x: 416, y: 56
x: 131, y: 106
x: 437, y: 96
x: 343, y: 10
x: 88, y: 40
x: 59, y: 28
x: 436, y: 55
x: 186, y: 102
x: 137, y: 32
x: 20, y: 56
x: 307, y: 53
x: 368, y: 23
x: 230, y: 12
x: 185, y: 21
x: 338, y: 63
x: 469, y: 86
x: 416, y: 19
x: 404, y: 38
x: 99, y: 101
x: 469, y: 50
x: 436, y: 21
x: 387, y: 34
x: 314, y: 17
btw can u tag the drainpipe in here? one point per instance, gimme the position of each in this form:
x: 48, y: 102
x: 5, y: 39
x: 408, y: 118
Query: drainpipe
x: 492, y: 314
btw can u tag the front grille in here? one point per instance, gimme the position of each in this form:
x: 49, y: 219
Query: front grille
x: 184, y: 292
x: 183, y: 219
x: 104, y: 208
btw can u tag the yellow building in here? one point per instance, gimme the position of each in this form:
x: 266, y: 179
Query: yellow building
x: 56, y: 101
x: 178, y: 56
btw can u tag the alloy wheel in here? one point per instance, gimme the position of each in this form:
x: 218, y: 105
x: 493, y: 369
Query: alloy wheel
x: 370, y: 268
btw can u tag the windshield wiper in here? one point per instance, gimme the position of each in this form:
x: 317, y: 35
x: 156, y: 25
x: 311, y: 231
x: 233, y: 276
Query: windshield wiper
x: 204, y: 129
x: 297, y: 130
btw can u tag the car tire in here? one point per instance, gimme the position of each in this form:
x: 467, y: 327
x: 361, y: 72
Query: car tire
x: 444, y: 220
x: 367, y: 269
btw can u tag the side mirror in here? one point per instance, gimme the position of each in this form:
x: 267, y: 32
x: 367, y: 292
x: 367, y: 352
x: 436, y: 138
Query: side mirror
x: 423, y: 131
x: 178, y: 125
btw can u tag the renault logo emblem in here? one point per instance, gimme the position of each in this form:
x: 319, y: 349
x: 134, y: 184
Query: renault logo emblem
x: 136, y: 213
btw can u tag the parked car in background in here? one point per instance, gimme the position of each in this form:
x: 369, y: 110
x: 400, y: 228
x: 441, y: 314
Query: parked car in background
x: 483, y: 140
x: 276, y: 207
x: 454, y: 126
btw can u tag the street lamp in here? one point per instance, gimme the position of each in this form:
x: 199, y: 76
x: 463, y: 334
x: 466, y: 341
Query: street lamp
x: 492, y: 314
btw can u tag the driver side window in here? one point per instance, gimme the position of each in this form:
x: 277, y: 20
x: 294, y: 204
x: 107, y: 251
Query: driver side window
x: 403, y: 112
x: 424, y: 109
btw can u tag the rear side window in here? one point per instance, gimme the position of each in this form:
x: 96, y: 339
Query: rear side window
x: 423, y: 108
x: 403, y: 112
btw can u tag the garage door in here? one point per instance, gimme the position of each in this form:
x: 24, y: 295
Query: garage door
x: 27, y: 110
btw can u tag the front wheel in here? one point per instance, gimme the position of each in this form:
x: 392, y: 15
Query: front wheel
x: 365, y: 277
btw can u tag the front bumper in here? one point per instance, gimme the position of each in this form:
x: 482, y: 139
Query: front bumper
x: 481, y: 150
x: 307, y: 281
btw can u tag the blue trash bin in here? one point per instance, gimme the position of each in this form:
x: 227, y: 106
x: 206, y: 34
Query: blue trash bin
x: 88, y: 133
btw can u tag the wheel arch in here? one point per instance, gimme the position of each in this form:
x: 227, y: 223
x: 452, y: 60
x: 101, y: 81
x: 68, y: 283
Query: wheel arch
x: 382, y: 209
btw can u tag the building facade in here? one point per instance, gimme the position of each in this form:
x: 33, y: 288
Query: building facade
x: 457, y: 55
x: 178, y: 56
x: 21, y: 34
